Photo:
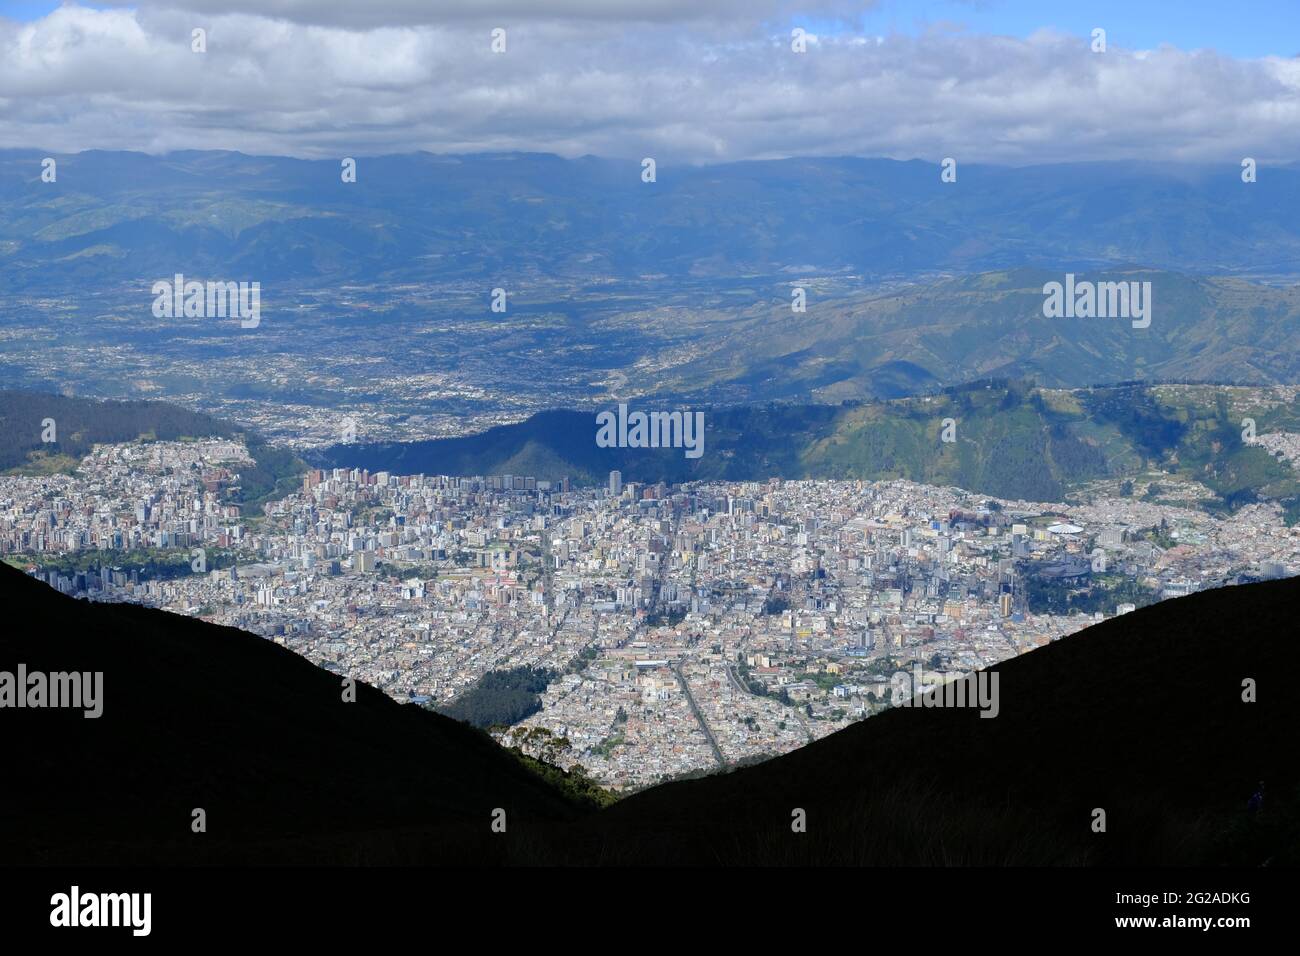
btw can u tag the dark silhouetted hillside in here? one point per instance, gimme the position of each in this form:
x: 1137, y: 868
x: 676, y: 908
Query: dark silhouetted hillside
x: 1141, y: 716
x: 197, y: 715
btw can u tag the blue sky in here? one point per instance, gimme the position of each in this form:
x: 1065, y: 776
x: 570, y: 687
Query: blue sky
x: 1251, y: 29
x: 26, y: 9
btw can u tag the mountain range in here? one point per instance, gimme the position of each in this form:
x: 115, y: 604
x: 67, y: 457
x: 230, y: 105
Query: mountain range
x: 131, y: 217
x: 946, y: 332
x: 681, y: 290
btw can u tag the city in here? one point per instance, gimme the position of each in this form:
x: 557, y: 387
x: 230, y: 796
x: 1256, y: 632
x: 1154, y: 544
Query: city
x: 683, y: 628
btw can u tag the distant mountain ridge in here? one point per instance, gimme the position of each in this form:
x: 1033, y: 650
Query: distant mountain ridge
x: 131, y: 217
x: 989, y: 325
x: 678, y: 289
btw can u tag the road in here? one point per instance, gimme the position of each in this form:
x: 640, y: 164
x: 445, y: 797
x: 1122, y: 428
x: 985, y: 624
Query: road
x: 699, y: 716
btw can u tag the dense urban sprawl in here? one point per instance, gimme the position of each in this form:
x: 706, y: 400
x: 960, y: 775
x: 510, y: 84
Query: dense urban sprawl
x: 688, y: 627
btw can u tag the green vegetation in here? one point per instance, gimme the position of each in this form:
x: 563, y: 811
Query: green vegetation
x: 669, y: 618
x: 153, y: 564
x: 823, y: 681
x: 404, y: 572
x: 755, y: 687
x: 43, y: 463
x: 606, y: 746
x: 547, y: 750
x: 501, y: 698
x: 1088, y: 596
x: 1159, y: 535
x: 582, y: 659
x: 276, y: 473
x: 1011, y: 440
x: 883, y: 667
x: 1291, y: 511
x: 573, y: 783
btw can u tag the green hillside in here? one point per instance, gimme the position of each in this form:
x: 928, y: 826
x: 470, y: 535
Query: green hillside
x: 1010, y: 439
x: 904, y: 341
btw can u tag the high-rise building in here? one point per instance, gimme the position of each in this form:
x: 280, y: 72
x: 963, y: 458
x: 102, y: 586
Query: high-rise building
x: 615, y: 483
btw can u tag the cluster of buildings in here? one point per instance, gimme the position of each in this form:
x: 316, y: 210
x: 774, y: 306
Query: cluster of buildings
x: 155, y: 495
x: 690, y: 626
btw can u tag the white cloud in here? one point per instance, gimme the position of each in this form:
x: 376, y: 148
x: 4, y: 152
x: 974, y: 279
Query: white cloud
x: 703, y: 90
x: 374, y: 13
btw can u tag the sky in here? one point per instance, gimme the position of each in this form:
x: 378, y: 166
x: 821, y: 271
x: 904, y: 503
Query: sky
x: 1010, y: 81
